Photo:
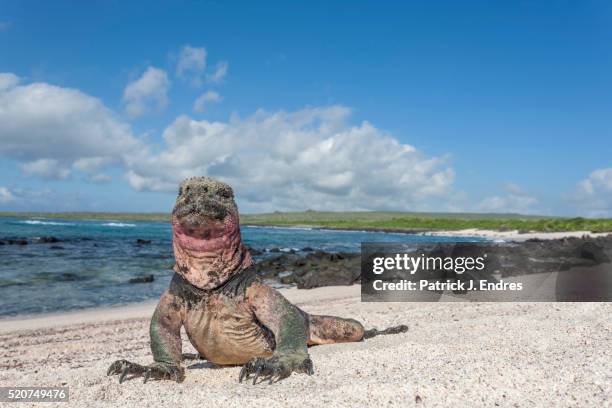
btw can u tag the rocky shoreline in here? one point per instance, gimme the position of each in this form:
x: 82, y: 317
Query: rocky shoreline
x: 307, y: 268
x: 313, y: 270
x: 318, y: 268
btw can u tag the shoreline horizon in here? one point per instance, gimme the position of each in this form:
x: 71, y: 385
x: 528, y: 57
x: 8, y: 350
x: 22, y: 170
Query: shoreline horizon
x: 116, y: 301
x: 489, y: 233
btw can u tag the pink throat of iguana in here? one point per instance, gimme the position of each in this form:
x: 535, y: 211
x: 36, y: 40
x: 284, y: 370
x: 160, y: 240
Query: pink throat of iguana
x: 207, y: 256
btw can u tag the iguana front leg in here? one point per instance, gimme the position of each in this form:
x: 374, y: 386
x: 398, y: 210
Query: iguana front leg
x: 165, y: 332
x: 287, y: 323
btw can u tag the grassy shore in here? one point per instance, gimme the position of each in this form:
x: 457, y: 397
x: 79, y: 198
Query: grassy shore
x: 429, y: 221
x: 91, y: 216
x: 395, y: 221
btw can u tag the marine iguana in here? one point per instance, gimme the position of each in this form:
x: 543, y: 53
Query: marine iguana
x: 229, y: 315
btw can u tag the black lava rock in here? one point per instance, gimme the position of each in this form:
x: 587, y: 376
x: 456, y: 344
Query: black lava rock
x: 49, y: 240
x: 313, y: 270
x: 18, y: 241
x: 590, y: 250
x: 254, y: 251
x: 143, y: 279
x: 319, y: 268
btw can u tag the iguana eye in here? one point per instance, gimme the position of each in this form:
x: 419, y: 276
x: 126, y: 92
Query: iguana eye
x: 225, y: 193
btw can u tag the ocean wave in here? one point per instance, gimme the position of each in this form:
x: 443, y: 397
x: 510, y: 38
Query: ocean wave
x: 38, y: 222
x: 289, y: 249
x: 118, y: 224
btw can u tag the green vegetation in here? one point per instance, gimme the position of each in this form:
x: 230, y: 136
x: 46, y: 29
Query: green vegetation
x: 399, y: 221
x: 91, y: 216
x: 396, y: 221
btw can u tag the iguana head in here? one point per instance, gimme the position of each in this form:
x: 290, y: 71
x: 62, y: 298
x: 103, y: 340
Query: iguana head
x: 206, y: 233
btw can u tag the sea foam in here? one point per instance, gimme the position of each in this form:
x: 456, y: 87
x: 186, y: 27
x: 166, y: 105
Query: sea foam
x: 118, y: 224
x: 38, y: 222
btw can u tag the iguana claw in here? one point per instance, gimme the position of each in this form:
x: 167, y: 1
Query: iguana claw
x: 192, y: 356
x: 279, y: 367
x: 391, y: 330
x: 157, y: 371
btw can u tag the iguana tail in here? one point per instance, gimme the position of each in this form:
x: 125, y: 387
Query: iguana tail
x: 391, y: 330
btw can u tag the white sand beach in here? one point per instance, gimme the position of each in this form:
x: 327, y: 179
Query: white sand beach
x: 515, y: 235
x: 467, y: 354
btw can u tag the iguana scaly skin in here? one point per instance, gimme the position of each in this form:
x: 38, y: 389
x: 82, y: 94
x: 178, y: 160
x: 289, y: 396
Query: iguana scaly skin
x: 230, y: 317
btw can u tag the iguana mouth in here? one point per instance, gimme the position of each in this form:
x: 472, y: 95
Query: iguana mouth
x: 207, y: 236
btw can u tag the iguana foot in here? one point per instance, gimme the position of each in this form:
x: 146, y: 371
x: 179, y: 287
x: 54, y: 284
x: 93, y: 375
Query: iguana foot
x: 158, y: 371
x: 279, y: 366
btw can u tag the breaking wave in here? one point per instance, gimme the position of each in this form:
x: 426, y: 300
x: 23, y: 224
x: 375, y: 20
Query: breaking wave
x: 38, y: 222
x: 118, y: 224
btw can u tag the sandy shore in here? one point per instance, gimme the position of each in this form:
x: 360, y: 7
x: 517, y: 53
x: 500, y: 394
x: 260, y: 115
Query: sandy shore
x: 468, y: 354
x: 514, y: 235
x: 511, y: 235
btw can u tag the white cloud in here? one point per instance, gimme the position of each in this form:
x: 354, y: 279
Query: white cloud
x: 27, y: 199
x: 191, y: 64
x: 219, y: 73
x: 8, y: 80
x: 147, y: 92
x: 5, y: 195
x: 91, y: 168
x: 45, y: 168
x: 310, y: 158
x: 593, y: 195
x: 204, y: 99
x: 99, y: 178
x: 52, y: 131
x: 91, y: 164
x: 191, y: 67
x: 514, y: 201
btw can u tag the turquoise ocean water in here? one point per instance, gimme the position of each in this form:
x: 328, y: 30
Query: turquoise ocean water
x: 94, y: 260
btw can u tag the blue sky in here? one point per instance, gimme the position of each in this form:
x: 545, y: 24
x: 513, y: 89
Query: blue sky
x: 445, y: 106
